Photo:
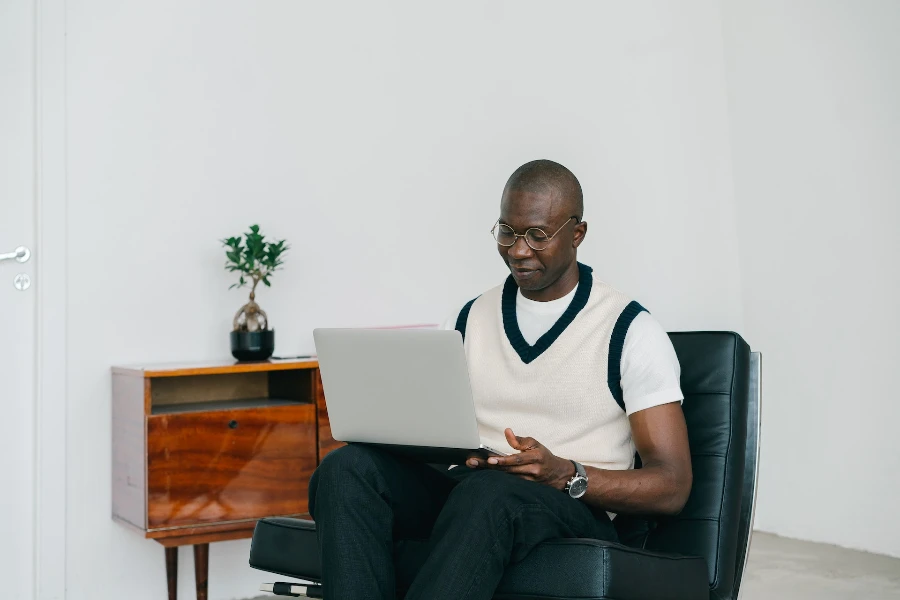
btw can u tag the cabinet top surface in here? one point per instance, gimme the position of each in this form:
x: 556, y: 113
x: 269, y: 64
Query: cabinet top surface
x: 213, y: 367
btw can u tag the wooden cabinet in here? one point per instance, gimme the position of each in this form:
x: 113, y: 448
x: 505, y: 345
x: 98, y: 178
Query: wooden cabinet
x: 200, y: 452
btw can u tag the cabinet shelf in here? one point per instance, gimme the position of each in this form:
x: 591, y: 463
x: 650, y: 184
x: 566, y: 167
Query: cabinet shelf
x: 216, y: 405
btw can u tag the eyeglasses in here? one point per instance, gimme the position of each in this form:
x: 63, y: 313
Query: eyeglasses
x: 534, y: 236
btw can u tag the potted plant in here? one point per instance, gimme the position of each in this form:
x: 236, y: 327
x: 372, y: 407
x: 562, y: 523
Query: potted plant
x: 255, y: 259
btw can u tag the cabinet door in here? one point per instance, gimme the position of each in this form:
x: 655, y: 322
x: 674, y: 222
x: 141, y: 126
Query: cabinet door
x: 326, y: 442
x: 229, y: 465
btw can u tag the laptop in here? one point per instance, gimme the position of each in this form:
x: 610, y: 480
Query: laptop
x: 404, y: 390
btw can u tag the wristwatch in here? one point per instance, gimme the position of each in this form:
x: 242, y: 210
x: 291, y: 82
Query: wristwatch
x: 577, y: 486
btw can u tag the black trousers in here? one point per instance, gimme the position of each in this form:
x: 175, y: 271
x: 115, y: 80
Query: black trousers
x: 475, y: 522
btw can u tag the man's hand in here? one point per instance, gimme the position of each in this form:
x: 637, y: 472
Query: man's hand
x: 533, y: 462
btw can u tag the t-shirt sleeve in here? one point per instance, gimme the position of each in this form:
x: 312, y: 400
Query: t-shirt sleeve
x: 650, y: 372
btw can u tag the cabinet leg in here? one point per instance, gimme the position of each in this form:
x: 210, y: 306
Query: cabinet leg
x: 172, y: 571
x: 201, y: 569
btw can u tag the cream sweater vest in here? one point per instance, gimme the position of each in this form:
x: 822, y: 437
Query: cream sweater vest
x: 563, y: 391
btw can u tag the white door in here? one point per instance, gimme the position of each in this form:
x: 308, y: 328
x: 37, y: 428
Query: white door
x: 17, y: 307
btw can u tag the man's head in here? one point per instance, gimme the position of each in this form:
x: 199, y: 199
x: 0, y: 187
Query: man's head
x: 545, y: 195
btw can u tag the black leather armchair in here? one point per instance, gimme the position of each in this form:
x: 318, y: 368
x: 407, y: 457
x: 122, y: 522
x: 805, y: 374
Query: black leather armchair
x: 698, y: 554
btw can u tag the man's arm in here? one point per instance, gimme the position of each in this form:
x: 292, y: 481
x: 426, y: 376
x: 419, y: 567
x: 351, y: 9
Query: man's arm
x: 650, y: 386
x: 660, y: 487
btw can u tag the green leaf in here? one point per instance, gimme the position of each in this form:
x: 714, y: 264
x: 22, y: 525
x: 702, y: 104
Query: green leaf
x: 253, y: 256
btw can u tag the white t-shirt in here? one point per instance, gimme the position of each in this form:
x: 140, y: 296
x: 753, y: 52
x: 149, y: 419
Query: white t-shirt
x: 650, y: 370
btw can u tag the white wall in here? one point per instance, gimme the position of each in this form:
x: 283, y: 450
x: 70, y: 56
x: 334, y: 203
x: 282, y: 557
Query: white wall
x: 376, y: 137
x: 814, y: 90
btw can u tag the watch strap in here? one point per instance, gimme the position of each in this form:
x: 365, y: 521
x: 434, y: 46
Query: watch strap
x: 579, y: 469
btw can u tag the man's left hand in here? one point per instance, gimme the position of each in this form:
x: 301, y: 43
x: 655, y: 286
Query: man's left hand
x: 533, y: 462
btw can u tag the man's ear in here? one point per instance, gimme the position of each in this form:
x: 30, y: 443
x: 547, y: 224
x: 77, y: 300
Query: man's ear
x: 580, y: 232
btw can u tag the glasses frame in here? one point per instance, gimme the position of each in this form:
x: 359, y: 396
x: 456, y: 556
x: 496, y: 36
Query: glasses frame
x: 523, y: 235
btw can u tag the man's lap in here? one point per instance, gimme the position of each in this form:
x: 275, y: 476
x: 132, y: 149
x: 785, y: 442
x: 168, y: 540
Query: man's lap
x: 419, y: 494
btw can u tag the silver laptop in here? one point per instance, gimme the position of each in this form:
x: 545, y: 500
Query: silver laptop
x: 406, y: 390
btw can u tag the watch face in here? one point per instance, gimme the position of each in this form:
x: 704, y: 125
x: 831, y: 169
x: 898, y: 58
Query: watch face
x: 578, y: 487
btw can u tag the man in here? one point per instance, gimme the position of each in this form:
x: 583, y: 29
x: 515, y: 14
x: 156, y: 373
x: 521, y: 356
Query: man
x: 571, y: 373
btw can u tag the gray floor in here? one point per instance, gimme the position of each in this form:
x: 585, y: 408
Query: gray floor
x: 785, y: 569
x: 782, y: 568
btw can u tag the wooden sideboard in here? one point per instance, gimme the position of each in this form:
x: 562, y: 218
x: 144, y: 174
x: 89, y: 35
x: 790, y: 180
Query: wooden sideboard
x: 202, y: 451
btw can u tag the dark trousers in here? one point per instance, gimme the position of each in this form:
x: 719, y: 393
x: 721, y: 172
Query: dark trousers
x: 475, y: 522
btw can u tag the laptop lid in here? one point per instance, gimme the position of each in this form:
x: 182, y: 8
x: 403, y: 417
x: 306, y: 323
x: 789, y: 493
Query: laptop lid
x: 395, y: 386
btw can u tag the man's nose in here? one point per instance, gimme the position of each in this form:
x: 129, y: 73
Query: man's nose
x: 520, y: 249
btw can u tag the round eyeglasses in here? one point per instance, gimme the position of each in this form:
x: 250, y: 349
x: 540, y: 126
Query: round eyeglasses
x: 535, y: 237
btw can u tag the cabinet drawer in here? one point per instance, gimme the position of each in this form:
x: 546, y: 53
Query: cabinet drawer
x: 228, y: 465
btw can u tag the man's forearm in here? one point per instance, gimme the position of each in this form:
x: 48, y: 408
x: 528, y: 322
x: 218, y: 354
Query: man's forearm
x: 651, y: 490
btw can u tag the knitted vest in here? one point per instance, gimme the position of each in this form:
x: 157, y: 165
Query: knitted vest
x: 564, y: 391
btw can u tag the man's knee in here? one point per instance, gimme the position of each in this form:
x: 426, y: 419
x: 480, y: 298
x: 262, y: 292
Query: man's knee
x: 350, y: 458
x: 347, y: 462
x: 340, y: 466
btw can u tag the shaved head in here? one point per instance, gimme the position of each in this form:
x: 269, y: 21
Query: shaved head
x: 544, y: 198
x: 548, y: 177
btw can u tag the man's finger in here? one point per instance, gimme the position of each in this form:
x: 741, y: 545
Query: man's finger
x: 529, y: 443
x: 520, y: 443
x: 521, y: 458
x: 511, y: 438
x: 524, y: 471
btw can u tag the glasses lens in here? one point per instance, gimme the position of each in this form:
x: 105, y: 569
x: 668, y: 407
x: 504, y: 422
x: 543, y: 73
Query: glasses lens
x: 504, y: 235
x: 537, y: 239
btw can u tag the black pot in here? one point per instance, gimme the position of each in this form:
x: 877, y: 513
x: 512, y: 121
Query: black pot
x: 252, y: 345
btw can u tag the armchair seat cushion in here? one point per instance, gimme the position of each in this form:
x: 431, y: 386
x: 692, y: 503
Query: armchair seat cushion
x: 556, y: 569
x: 584, y: 568
x: 287, y: 547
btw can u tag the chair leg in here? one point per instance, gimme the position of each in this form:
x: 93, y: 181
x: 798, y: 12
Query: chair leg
x: 293, y: 589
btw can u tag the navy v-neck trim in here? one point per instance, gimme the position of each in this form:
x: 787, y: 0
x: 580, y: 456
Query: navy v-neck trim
x: 526, y: 351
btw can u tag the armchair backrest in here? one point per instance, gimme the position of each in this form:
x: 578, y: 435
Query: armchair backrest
x: 716, y: 382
